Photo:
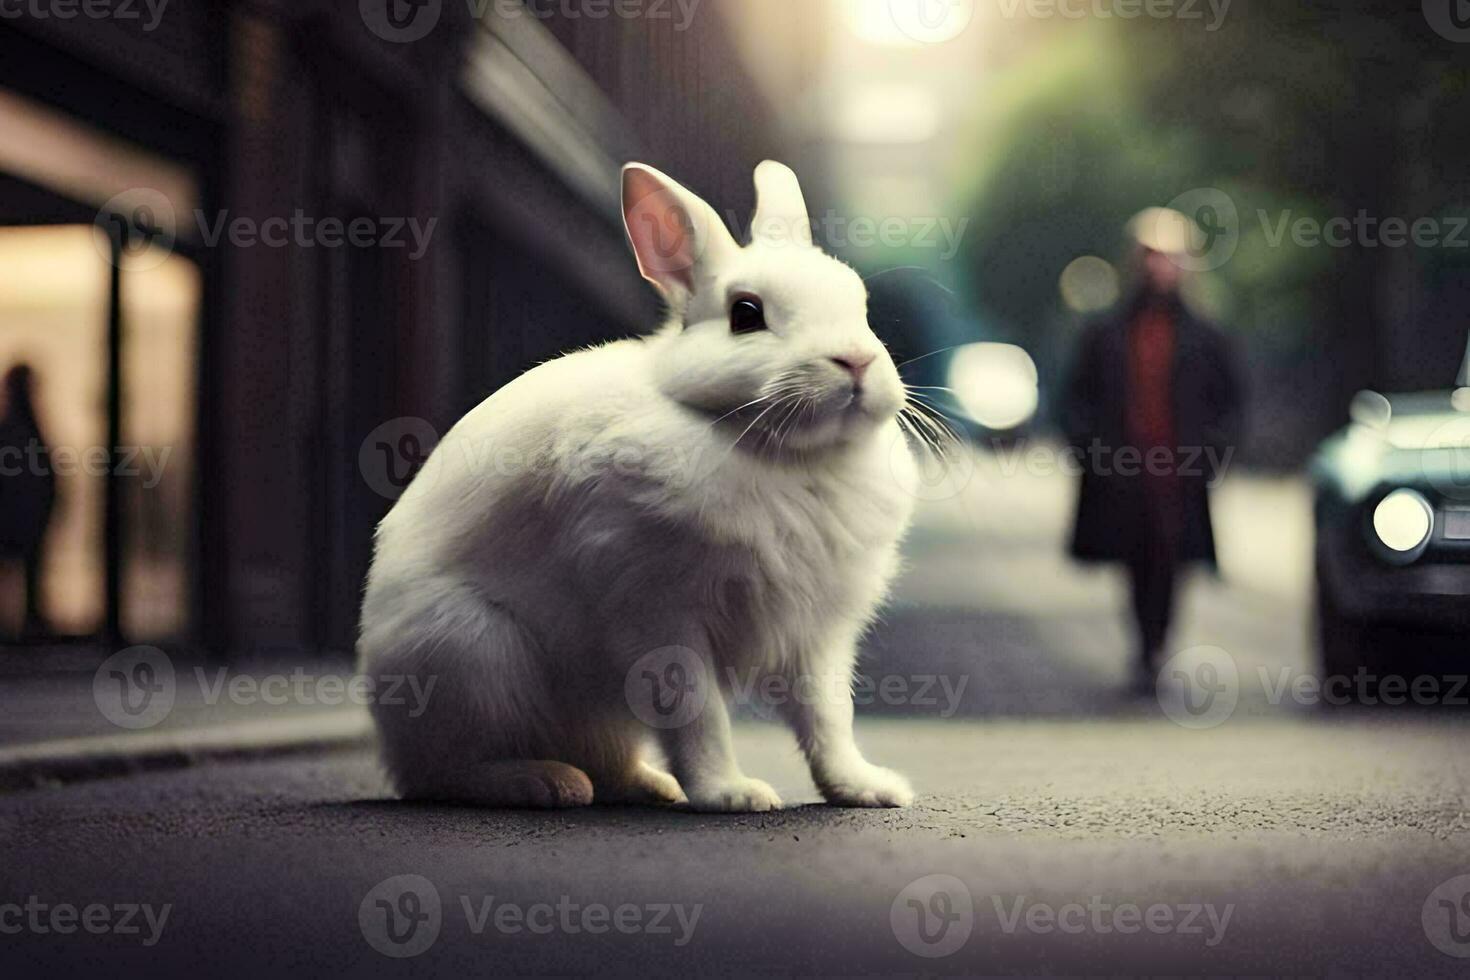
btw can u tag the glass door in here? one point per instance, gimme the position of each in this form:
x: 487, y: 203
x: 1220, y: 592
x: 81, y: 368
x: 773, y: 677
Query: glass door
x: 53, y: 334
x: 74, y: 563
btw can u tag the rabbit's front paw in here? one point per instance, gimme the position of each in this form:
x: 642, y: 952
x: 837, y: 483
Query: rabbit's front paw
x: 743, y: 795
x: 869, y: 786
x: 644, y: 786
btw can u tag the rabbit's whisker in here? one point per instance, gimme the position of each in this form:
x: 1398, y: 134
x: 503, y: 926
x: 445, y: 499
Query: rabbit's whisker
x: 944, y: 437
x: 783, y: 432
x: 932, y: 353
x: 733, y: 411
x: 929, y: 404
x: 918, y: 435
x: 936, y: 435
x: 768, y: 409
x: 781, y: 385
x: 935, y: 411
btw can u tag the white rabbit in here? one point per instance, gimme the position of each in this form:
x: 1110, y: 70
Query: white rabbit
x: 669, y: 515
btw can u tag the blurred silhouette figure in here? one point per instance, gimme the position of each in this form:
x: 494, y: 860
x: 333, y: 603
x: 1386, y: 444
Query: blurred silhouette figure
x: 1152, y: 409
x: 27, y: 490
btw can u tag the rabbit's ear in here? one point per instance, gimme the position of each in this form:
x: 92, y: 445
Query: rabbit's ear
x: 672, y: 230
x: 780, y: 215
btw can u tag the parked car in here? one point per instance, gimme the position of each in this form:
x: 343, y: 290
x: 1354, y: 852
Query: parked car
x: 1393, y: 534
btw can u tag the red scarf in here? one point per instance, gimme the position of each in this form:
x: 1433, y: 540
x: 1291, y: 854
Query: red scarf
x: 1152, y: 339
x: 1151, y: 380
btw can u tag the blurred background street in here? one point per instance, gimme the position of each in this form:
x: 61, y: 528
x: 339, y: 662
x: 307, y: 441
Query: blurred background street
x: 256, y: 256
x: 988, y: 582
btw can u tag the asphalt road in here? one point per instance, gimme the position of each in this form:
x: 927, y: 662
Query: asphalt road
x: 1063, y: 826
x: 1294, y: 847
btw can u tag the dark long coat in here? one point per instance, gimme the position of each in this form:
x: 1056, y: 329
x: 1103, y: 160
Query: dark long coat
x: 1113, y: 508
x: 27, y: 485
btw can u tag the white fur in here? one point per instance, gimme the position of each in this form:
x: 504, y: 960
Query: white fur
x: 600, y: 508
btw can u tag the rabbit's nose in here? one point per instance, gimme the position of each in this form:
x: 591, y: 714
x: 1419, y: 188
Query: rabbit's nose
x: 855, y: 364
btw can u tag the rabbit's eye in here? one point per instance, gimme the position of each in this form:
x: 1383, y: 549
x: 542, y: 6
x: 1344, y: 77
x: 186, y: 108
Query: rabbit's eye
x: 747, y: 315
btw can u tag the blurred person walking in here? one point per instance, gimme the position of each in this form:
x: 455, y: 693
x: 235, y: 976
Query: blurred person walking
x: 1153, y: 411
x: 27, y: 490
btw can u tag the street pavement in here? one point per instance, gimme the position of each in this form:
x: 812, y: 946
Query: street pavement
x: 1064, y: 826
x: 1321, y: 842
x: 51, y: 693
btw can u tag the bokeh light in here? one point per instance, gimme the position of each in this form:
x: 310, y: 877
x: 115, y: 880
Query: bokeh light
x: 1089, y: 284
x: 995, y: 384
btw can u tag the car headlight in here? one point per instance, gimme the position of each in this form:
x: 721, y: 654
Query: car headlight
x: 1403, y: 522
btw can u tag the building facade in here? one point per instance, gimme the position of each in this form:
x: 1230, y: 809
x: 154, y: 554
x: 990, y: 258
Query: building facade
x: 380, y: 212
